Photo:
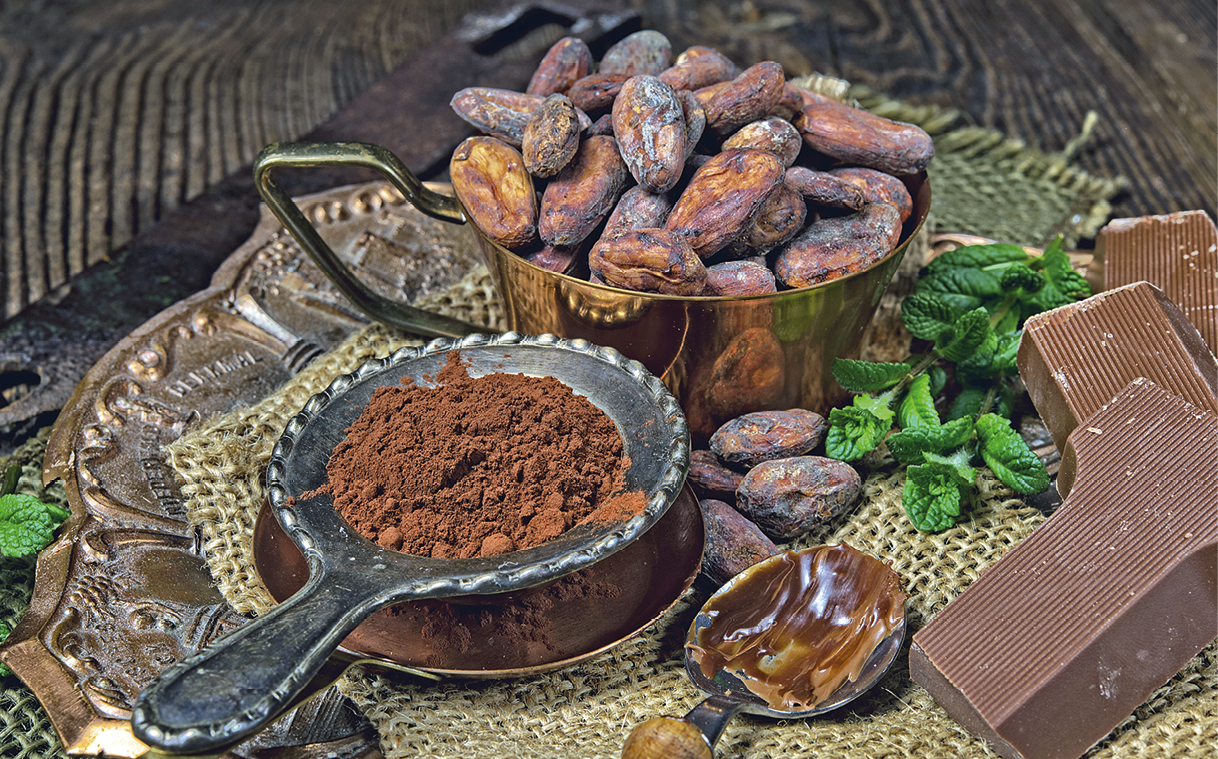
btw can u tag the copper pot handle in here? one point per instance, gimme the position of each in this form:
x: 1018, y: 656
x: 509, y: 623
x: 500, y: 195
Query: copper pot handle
x: 365, y: 155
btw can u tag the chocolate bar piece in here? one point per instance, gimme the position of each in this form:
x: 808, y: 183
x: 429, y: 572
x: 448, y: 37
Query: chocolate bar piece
x: 1177, y: 252
x: 1059, y: 641
x: 1074, y: 359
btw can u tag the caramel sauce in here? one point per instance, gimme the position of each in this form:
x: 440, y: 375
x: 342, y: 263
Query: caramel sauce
x: 796, y: 627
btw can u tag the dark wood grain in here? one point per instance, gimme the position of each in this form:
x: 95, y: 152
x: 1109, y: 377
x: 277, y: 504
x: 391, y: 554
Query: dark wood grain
x: 114, y: 113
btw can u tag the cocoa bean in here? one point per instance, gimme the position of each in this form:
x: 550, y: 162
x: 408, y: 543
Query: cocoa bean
x: 770, y: 134
x: 724, y: 197
x: 779, y: 220
x: 502, y: 113
x: 637, y: 209
x: 748, y: 375
x: 496, y: 190
x: 824, y: 189
x: 878, y: 187
x: 699, y: 67
x: 836, y: 246
x: 852, y: 135
x: 649, y: 123
x: 695, y: 119
x: 649, y: 260
x: 708, y: 475
x: 746, y: 98
x: 645, y: 52
x: 596, y: 91
x: 551, y: 137
x: 583, y: 193
x: 788, y: 497
x: 750, y: 439
x: 567, y: 61
x: 733, y: 543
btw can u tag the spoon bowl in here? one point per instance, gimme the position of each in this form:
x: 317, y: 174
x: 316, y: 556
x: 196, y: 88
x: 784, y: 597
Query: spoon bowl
x: 766, y: 604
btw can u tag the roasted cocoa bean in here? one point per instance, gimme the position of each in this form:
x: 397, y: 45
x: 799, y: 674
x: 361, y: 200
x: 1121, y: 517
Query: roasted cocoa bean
x: 496, y: 190
x: 737, y: 278
x: 770, y: 134
x: 724, y: 197
x: 602, y: 126
x: 699, y: 67
x: 839, y: 245
x: 649, y: 123
x: 645, y: 52
x: 596, y: 91
x: 649, y: 260
x: 878, y: 187
x: 852, y: 135
x: 709, y: 476
x: 567, y: 61
x: 733, y: 543
x: 746, y: 98
x: 637, y: 209
x: 583, y: 193
x: 748, y: 375
x: 788, y: 497
x: 501, y: 113
x: 750, y: 439
x: 779, y: 220
x: 551, y: 137
x: 824, y: 189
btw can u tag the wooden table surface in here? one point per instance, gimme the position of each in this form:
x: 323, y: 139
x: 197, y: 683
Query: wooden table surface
x: 114, y: 113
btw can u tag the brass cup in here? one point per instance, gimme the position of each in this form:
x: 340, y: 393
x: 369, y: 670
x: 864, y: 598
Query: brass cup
x: 720, y: 356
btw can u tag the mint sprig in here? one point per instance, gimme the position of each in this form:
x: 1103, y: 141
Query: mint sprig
x: 970, y: 304
x: 27, y: 525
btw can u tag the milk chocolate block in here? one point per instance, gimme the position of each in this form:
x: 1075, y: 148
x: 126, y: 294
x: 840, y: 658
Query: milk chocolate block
x: 1177, y: 252
x: 1076, y: 358
x: 1061, y: 639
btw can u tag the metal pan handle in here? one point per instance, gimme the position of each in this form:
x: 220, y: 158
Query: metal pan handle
x: 365, y: 155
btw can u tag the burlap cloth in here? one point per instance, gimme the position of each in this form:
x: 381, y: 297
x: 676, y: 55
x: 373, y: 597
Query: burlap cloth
x: 587, y: 710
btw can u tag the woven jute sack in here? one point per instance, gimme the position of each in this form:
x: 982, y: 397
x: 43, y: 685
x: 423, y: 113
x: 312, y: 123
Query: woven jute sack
x: 588, y: 710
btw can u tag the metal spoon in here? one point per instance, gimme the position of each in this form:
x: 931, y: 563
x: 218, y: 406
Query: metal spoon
x: 694, y: 736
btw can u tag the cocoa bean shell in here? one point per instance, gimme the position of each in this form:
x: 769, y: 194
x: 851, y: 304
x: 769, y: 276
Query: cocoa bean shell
x: 788, y: 497
x: 733, y: 543
x: 855, y: 136
x: 839, y: 245
x: 753, y: 438
x: 649, y: 260
x: 644, y: 52
x: 580, y: 196
x: 724, y: 197
x: 566, y: 62
x: 496, y: 190
x: 649, y: 123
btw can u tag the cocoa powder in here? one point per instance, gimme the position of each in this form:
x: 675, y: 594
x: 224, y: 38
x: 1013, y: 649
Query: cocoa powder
x: 478, y: 466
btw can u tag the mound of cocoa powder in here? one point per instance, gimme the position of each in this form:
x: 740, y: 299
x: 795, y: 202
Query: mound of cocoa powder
x: 478, y: 466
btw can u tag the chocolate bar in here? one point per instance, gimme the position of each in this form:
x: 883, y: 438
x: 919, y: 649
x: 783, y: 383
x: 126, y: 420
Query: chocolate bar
x: 1076, y: 358
x: 1177, y: 252
x: 1058, y: 642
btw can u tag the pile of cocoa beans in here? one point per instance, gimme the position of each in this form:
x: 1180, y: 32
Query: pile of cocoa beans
x: 683, y: 177
x: 756, y: 485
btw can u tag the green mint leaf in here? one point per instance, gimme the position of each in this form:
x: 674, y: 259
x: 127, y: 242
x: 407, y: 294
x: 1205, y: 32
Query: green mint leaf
x: 917, y: 408
x: 1064, y: 285
x: 938, y: 380
x: 1010, y: 320
x: 968, y: 403
x: 978, y: 256
x: 926, y: 316
x: 964, y: 281
x: 867, y: 376
x: 27, y: 524
x: 957, y: 464
x: 960, y: 303
x: 964, y: 338
x: 911, y: 446
x: 855, y: 431
x: 1008, y: 456
x: 1019, y: 277
x: 931, y: 498
x: 1005, y: 353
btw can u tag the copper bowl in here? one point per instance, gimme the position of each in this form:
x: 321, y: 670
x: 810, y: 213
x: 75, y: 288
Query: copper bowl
x: 720, y: 356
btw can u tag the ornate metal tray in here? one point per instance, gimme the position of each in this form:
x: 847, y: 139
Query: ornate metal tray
x: 125, y: 592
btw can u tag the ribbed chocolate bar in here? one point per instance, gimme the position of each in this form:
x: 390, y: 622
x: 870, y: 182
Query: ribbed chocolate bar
x: 1176, y: 252
x: 1067, y: 634
x: 1076, y: 358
